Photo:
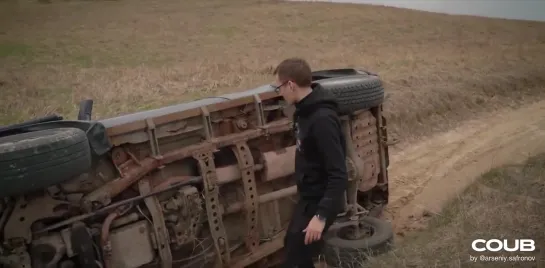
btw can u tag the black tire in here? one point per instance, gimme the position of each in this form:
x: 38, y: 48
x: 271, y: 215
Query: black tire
x: 355, y: 92
x: 36, y: 160
x: 345, y: 253
x: 330, y: 73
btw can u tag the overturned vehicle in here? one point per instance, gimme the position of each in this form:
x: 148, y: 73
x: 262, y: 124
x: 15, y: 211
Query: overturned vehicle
x: 206, y: 182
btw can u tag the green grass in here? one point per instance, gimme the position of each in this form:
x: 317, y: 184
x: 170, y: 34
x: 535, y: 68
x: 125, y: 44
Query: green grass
x: 15, y: 50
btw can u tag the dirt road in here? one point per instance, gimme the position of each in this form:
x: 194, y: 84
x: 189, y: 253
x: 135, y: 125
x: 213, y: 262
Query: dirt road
x: 426, y: 175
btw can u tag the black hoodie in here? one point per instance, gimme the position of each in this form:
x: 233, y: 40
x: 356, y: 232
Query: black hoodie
x: 320, y: 165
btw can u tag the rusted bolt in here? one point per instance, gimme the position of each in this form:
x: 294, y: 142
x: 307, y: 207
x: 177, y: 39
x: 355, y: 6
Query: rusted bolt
x: 119, y: 156
x: 221, y: 242
x: 241, y: 123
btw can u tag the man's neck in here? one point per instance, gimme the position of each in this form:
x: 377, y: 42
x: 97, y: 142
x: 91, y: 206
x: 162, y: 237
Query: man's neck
x: 303, y: 93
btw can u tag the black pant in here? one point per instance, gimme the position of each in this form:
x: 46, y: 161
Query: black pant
x: 297, y: 254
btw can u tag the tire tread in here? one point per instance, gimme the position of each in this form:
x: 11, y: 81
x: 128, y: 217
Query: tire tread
x: 37, y: 160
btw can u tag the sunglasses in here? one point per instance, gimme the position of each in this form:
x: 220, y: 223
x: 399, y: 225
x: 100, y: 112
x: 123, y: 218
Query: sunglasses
x: 277, y: 88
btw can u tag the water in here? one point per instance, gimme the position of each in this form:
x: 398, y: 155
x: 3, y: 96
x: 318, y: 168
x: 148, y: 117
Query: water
x: 507, y: 9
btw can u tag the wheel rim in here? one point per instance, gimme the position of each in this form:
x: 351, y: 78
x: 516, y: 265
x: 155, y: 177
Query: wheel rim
x: 356, y: 231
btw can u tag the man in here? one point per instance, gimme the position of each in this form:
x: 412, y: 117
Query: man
x: 320, y: 167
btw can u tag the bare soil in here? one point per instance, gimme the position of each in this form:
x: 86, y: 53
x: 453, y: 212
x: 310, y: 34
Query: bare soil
x: 428, y: 174
x: 504, y: 203
x: 484, y: 179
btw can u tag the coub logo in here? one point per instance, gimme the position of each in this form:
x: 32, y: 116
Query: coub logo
x: 494, y: 245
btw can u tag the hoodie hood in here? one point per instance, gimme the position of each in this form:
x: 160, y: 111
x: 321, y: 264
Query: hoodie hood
x: 318, y: 98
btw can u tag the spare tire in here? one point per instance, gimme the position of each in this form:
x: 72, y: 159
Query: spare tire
x: 355, y: 92
x: 36, y: 160
x: 342, y: 251
x: 330, y: 73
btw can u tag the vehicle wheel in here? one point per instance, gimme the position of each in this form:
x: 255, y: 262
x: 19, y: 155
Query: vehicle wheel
x: 330, y: 73
x: 39, y: 159
x: 344, y: 248
x: 355, y: 92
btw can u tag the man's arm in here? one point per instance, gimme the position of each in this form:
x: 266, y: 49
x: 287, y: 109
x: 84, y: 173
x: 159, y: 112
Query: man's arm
x: 327, y: 133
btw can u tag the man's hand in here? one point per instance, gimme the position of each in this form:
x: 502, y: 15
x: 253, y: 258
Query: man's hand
x: 314, y: 230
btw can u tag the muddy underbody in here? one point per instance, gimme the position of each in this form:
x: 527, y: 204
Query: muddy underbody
x: 201, y: 182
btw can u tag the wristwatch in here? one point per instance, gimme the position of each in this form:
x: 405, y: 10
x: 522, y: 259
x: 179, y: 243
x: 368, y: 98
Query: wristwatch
x: 320, y: 217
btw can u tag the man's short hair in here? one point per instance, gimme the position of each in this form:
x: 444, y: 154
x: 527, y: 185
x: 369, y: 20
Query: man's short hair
x: 296, y: 70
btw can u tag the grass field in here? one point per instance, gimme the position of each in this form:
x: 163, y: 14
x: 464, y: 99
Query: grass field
x: 505, y: 203
x: 438, y: 70
x: 145, y: 54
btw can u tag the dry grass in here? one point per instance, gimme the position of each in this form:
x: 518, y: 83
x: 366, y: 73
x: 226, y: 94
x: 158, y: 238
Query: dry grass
x: 506, y: 203
x: 134, y: 55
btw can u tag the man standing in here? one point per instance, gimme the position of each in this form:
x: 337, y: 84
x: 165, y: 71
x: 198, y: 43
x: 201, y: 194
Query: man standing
x: 320, y: 167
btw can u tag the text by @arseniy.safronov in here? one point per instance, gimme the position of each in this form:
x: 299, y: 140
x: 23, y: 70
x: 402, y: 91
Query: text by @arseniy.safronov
x: 501, y: 258
x: 491, y: 246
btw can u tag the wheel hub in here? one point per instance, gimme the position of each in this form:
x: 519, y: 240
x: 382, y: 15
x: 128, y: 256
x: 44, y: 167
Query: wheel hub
x: 356, y: 231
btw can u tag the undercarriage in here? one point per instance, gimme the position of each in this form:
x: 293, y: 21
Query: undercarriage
x: 201, y: 183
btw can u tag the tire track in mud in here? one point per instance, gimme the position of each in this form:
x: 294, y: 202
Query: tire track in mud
x: 426, y: 175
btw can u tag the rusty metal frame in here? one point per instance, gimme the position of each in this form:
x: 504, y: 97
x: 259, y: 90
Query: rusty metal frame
x: 152, y: 135
x: 106, y: 192
x: 262, y: 251
x: 246, y: 165
x: 24, y: 214
x: 162, y: 239
x: 215, y: 221
x: 353, y: 160
x: 207, y: 122
x: 204, y: 154
x: 382, y: 144
x: 264, y: 198
x: 118, y: 130
x: 135, y: 169
x: 259, y: 110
